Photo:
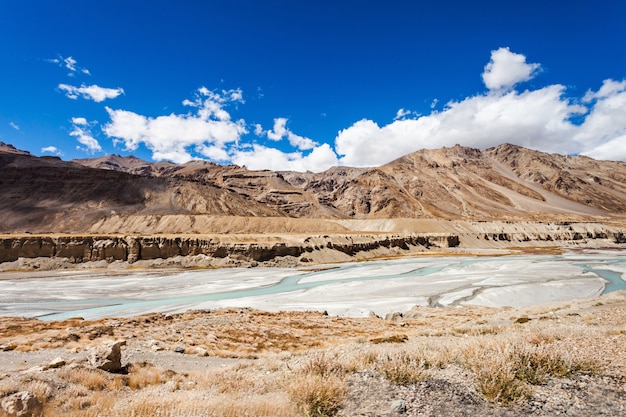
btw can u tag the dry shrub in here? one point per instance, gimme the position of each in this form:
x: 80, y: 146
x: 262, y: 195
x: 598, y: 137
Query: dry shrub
x: 317, y: 396
x: 143, y: 375
x: 273, y: 405
x: 323, y: 365
x: 239, y: 379
x: 41, y: 389
x: 495, y: 376
x: 402, y: 369
x: 93, y: 379
x: 534, y: 364
x: 74, y: 397
x: 396, y: 338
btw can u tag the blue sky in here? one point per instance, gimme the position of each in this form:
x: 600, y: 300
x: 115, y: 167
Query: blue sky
x: 311, y: 84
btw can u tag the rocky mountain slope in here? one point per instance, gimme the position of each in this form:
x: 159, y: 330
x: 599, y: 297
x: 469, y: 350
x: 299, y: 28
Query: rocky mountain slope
x: 508, y: 182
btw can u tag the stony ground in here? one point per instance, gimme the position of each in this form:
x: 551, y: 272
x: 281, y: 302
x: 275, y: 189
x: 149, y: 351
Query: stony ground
x: 558, y: 359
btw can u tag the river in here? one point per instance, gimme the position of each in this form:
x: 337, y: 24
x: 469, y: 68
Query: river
x: 350, y: 289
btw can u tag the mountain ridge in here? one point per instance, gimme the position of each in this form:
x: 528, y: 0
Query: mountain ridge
x: 507, y: 182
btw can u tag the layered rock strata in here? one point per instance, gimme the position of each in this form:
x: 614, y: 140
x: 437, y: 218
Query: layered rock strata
x: 132, y: 248
x: 303, y: 247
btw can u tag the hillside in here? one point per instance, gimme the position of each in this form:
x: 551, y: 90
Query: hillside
x: 46, y: 194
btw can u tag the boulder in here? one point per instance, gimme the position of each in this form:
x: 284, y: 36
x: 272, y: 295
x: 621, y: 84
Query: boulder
x: 56, y: 363
x: 108, y: 356
x: 22, y: 404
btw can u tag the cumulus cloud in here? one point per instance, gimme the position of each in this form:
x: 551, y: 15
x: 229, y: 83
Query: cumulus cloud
x: 482, y: 121
x: 539, y: 119
x: 81, y: 130
x: 91, y: 92
x: 603, y: 133
x: 545, y: 118
x: 609, y: 88
x: 260, y: 157
x: 280, y: 131
x: 207, y: 130
x: 506, y: 68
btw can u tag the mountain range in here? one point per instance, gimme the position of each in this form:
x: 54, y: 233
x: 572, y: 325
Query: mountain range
x: 504, y: 183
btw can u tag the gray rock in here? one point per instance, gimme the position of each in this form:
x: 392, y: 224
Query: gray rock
x: 395, y: 316
x: 108, y: 356
x: 56, y: 363
x: 398, y: 407
x: 22, y: 404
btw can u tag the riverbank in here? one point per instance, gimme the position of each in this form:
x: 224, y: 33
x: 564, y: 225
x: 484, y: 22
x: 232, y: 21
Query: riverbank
x: 360, y: 240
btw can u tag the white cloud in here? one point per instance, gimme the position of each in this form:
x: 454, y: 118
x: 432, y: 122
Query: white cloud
x: 69, y: 63
x: 602, y: 135
x: 169, y: 137
x: 51, y: 149
x: 82, y: 132
x: 404, y: 114
x: 258, y: 130
x: 14, y: 126
x: 91, y: 92
x: 280, y: 131
x: 538, y: 119
x: 545, y: 119
x: 79, y: 121
x: 260, y: 157
x: 401, y: 114
x: 609, y: 88
x: 214, y: 153
x: 613, y: 150
x: 506, y: 68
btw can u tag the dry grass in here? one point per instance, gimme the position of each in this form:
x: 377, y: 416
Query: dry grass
x: 317, y: 396
x: 305, y: 360
x: 92, y: 379
x: 402, y: 368
x: 494, y: 373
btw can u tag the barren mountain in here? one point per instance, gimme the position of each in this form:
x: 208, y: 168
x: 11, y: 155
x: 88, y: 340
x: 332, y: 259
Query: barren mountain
x: 459, y: 183
x: 48, y: 194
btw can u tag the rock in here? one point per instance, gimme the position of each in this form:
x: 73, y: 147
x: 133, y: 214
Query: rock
x: 398, y: 407
x: 108, y: 356
x: 22, y: 404
x: 155, y: 345
x: 395, y: 316
x: 179, y: 349
x: 201, y: 352
x: 56, y: 363
x: 373, y: 315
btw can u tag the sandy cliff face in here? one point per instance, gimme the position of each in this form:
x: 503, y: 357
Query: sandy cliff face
x: 302, y: 248
x: 78, y: 249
